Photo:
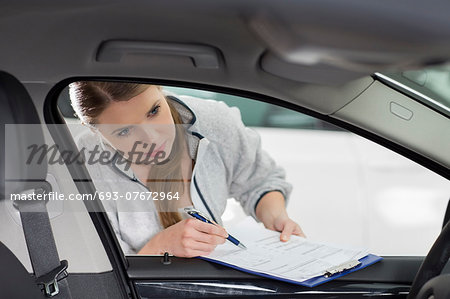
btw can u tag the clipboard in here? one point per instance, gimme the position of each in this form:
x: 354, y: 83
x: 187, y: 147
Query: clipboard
x: 312, y: 282
x: 315, y: 262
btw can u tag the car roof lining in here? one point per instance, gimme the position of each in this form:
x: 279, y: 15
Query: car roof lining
x: 247, y: 64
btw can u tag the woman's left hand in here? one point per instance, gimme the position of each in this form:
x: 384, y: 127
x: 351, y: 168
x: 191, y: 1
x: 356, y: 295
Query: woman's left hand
x: 286, y: 226
x: 272, y: 212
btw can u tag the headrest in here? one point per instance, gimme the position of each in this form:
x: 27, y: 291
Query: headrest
x: 20, y: 129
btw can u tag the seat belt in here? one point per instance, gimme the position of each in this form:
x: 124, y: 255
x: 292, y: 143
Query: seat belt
x: 49, y: 271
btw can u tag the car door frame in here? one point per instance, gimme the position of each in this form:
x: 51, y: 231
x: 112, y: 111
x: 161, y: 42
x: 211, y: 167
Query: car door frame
x: 398, y: 271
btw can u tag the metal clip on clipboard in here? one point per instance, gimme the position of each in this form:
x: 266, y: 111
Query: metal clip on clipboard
x: 341, y: 268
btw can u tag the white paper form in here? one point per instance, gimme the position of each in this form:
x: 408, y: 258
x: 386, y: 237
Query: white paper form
x: 299, y: 259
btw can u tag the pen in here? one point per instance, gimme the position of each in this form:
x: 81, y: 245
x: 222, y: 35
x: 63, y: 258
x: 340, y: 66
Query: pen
x: 198, y: 215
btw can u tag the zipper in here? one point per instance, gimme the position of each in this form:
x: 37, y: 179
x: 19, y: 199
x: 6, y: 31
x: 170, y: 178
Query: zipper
x: 203, y: 200
x: 200, y: 137
x: 134, y: 179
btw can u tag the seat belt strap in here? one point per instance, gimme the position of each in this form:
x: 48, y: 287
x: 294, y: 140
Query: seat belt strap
x: 49, y: 271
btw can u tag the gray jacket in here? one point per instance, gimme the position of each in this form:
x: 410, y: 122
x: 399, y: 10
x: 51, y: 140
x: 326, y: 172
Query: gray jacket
x: 230, y: 163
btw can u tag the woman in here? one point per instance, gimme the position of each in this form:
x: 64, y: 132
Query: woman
x: 205, y: 155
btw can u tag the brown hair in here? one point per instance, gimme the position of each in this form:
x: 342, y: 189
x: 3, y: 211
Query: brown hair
x: 90, y: 98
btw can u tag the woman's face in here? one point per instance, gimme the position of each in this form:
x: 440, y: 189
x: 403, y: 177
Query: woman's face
x: 140, y: 127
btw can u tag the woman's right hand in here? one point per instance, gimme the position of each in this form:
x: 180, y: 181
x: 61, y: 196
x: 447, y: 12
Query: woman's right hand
x: 187, y: 238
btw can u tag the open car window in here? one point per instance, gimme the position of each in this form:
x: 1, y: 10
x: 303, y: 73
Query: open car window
x: 345, y: 189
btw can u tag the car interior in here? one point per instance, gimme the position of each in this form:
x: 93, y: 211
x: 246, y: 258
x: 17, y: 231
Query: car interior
x: 305, y: 56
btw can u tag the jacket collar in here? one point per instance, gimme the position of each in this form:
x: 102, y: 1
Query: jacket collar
x: 187, y: 115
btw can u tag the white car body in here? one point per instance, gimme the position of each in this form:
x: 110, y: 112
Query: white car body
x: 350, y: 190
